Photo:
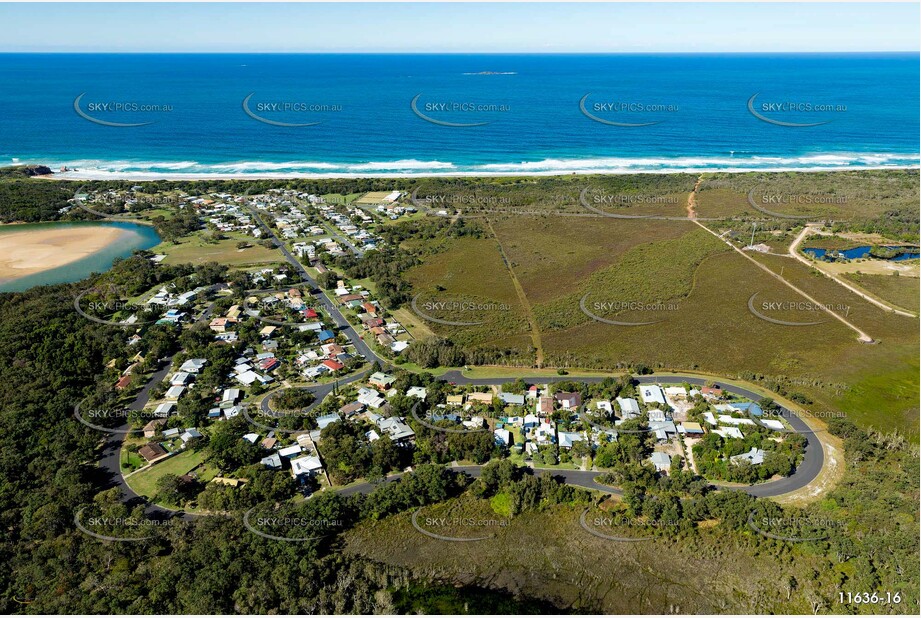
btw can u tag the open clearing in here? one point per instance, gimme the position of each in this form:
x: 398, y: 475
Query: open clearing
x: 145, y: 482
x: 195, y: 249
x: 900, y: 289
x: 697, y: 292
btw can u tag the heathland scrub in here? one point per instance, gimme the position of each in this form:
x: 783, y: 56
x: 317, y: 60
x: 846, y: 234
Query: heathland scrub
x: 30, y: 250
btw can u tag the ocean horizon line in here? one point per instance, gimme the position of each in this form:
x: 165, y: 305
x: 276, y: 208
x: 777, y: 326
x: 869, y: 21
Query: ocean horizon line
x: 461, y: 53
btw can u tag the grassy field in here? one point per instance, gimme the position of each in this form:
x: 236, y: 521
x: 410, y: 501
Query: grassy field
x: 901, y: 291
x: 145, y: 482
x: 194, y: 249
x: 708, y: 327
x: 655, y: 273
x: 471, y: 270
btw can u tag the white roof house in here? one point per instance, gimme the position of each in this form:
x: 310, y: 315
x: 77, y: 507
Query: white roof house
x: 652, y: 393
x: 755, y: 457
x: 290, y: 451
x: 419, y: 392
x: 305, y: 466
x: 370, y: 398
x: 661, y: 461
x: 398, y: 346
x: 249, y: 377
x: 327, y: 419
x: 174, y: 392
x: 676, y: 392
x: 725, y: 418
x: 396, y: 428
x: 503, y: 436
x: 568, y: 438
x: 628, y: 406
x: 164, y: 409
x: 193, y: 365
x: 180, y: 378
x: 189, y: 434
x: 729, y: 432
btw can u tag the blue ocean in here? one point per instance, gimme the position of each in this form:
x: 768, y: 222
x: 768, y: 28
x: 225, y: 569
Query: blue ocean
x: 146, y: 115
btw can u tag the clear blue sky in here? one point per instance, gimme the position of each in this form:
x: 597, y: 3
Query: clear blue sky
x: 433, y: 27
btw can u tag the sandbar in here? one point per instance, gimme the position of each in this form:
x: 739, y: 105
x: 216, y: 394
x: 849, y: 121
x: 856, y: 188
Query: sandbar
x: 27, y: 252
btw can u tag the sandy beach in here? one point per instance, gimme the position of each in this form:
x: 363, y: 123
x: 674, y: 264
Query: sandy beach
x: 95, y: 174
x: 27, y: 252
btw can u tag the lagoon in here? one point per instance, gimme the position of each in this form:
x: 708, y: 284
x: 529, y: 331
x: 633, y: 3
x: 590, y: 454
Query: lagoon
x: 49, y: 253
x: 855, y: 253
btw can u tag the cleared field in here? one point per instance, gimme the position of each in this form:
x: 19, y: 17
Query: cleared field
x: 340, y: 198
x: 897, y: 289
x: 145, y: 483
x: 372, y: 197
x: 874, y: 384
x: 647, y: 282
x: 553, y: 255
x: 195, y: 249
x: 468, y: 272
x: 697, y: 292
x: 712, y: 330
x: 719, y: 202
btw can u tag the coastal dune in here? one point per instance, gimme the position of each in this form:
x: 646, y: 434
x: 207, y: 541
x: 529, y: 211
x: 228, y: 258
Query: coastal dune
x: 27, y: 252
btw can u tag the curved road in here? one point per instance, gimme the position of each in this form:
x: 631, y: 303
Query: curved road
x: 805, y: 473
x: 111, y: 450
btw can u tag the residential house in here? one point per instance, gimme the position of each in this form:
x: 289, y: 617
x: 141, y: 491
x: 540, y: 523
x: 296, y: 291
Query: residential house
x: 652, y: 393
x: 512, y: 399
x: 189, y: 434
x: 399, y: 432
x: 327, y: 419
x: 419, y: 392
x: 150, y: 429
x: 164, y: 409
x: 629, y: 407
x: 290, y: 451
x: 151, y: 451
x: 568, y: 438
x: 481, y: 398
x: 661, y: 461
x: 755, y: 457
x: 455, y: 400
x: 544, y: 406
x: 304, y: 467
x: 569, y: 401
x: 174, y: 392
x: 747, y: 407
x: 272, y: 462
